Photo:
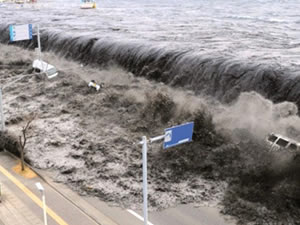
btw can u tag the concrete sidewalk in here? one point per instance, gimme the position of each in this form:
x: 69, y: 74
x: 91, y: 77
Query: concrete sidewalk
x: 14, y: 212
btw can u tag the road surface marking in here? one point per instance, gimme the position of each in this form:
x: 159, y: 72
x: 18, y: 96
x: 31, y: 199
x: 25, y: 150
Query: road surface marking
x: 34, y: 198
x: 137, y: 216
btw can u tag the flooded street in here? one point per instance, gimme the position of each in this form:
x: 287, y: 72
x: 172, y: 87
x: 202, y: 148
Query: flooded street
x: 230, y: 66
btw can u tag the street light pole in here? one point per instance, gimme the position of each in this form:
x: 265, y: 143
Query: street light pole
x: 42, y: 190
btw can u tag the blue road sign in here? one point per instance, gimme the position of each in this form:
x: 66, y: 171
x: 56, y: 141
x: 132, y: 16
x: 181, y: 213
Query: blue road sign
x: 30, y: 31
x: 178, y: 135
x: 20, y: 32
x: 11, y: 33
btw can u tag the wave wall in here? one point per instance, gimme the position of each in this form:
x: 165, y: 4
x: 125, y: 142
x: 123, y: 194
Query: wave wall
x: 213, y: 75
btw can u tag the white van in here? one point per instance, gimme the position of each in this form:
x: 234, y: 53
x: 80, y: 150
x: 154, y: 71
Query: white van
x: 41, y: 66
x: 278, y: 142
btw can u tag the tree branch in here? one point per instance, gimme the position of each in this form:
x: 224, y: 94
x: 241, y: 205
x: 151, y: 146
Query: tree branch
x: 23, y: 142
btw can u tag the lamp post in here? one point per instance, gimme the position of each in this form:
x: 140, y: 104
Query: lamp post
x: 42, y: 190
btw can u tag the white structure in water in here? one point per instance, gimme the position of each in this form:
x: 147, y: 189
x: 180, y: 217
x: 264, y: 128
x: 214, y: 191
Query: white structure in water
x: 44, y: 67
x: 277, y: 142
x: 41, y: 66
x: 88, y: 4
x: 94, y: 85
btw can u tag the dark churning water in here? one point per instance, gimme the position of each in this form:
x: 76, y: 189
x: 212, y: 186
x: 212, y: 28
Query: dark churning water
x: 216, y: 47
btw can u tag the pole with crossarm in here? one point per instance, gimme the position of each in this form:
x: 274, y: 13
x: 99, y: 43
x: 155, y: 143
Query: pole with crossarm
x: 173, y: 136
x: 145, y: 181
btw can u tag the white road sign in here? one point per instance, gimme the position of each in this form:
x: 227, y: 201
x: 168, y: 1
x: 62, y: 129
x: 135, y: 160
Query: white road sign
x: 20, y: 32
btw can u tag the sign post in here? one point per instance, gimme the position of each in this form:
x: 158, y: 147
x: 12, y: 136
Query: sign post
x: 145, y: 182
x: 24, y: 32
x: 39, y: 42
x: 173, y: 136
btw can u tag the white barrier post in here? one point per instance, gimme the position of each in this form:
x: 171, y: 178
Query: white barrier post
x: 44, y: 208
x: 42, y: 190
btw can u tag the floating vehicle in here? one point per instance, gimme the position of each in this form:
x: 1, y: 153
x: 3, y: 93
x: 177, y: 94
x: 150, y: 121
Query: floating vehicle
x: 280, y: 142
x: 95, y: 85
x: 44, y: 67
x: 88, y: 4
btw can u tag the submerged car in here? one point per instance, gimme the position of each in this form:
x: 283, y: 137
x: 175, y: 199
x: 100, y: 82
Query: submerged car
x: 44, y: 67
x: 278, y: 142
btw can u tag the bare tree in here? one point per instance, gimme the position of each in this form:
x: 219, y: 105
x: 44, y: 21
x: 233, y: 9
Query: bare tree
x: 24, y: 137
